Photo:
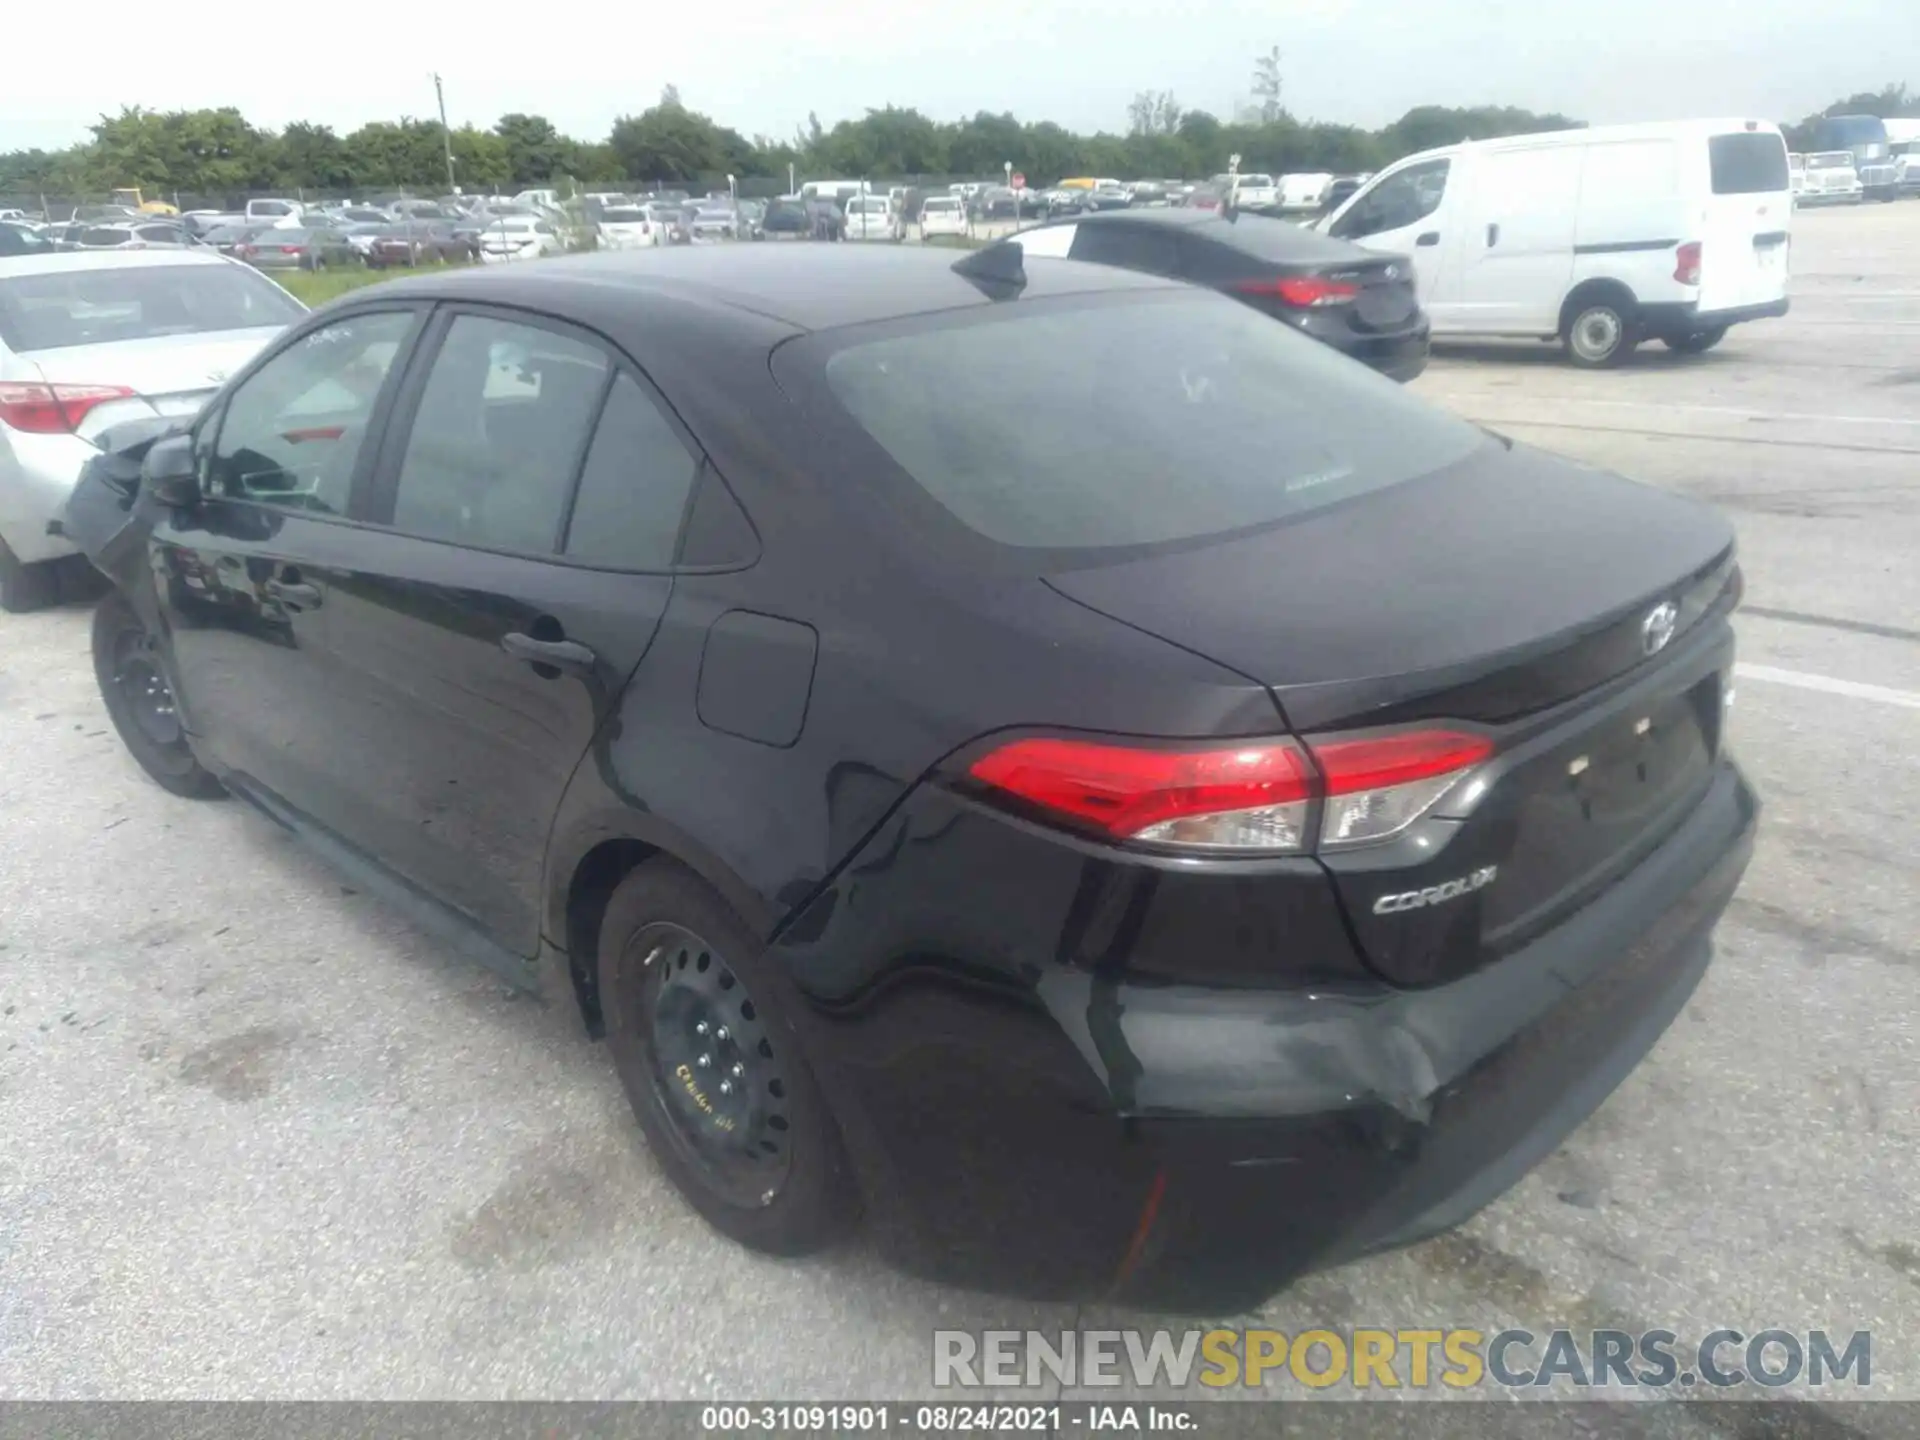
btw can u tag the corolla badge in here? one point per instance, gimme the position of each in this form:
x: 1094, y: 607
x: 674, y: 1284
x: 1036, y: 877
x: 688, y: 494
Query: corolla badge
x: 1436, y: 894
x: 1657, y: 629
x: 218, y: 377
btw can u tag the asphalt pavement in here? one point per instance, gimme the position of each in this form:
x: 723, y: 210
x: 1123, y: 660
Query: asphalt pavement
x: 260, y: 1138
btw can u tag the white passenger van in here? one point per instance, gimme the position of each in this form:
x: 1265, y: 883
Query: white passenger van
x: 1597, y: 238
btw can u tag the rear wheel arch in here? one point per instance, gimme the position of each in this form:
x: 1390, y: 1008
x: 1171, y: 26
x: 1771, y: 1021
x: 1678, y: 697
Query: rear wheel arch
x: 1597, y: 290
x: 584, y: 885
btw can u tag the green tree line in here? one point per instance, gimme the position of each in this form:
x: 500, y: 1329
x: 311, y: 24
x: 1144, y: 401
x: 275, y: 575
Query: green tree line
x: 214, y: 152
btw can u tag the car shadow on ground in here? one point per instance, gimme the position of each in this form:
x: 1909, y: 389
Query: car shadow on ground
x: 1549, y: 354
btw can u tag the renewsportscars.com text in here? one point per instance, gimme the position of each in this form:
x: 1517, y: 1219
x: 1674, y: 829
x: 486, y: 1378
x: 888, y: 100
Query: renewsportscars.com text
x: 1365, y: 1358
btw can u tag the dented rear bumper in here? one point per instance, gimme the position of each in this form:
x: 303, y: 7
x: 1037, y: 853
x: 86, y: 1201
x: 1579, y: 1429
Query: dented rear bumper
x: 1043, y: 1108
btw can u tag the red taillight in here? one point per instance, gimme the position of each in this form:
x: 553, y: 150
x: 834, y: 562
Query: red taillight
x: 1259, y: 796
x: 293, y: 249
x: 52, y: 409
x: 1376, y: 787
x: 1135, y: 794
x: 1303, y: 291
x: 1686, y: 266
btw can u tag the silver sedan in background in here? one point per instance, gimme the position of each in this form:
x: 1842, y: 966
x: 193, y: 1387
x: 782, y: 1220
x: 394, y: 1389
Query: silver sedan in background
x: 89, y: 340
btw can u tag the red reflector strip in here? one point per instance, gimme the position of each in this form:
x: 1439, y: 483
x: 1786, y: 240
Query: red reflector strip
x: 316, y: 432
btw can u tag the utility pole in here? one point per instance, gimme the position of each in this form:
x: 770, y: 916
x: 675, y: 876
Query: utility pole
x: 446, y: 135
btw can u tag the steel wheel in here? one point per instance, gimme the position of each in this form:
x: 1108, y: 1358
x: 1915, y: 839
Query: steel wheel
x: 1596, y: 335
x: 1601, y: 334
x: 719, y: 1077
x: 131, y: 670
x: 144, y: 689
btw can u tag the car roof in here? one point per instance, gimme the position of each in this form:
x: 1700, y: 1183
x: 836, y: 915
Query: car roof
x: 1600, y: 135
x: 809, y: 287
x: 1260, y: 236
x: 104, y: 259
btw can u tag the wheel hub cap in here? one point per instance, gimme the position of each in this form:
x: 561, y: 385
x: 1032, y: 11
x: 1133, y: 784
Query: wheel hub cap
x: 143, y: 686
x: 715, y: 1068
x: 1597, y: 333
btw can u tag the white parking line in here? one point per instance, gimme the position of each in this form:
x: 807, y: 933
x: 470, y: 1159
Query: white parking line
x: 1728, y: 410
x: 1827, y: 685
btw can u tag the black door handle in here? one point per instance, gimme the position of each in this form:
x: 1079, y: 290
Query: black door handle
x: 1430, y: 237
x: 294, y: 595
x: 555, y: 654
x: 1493, y: 236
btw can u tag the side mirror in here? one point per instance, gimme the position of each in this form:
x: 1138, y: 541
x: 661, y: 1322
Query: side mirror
x: 170, y: 472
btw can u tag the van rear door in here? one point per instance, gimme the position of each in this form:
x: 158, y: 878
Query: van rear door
x: 1743, y: 235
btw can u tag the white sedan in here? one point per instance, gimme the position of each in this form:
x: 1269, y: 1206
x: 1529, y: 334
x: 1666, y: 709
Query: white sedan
x: 627, y: 227
x: 89, y: 339
x: 519, y: 237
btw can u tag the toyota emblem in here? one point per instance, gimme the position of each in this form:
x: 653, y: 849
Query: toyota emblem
x: 1657, y: 629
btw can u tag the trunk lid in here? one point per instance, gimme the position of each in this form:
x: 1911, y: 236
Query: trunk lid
x: 1387, y: 300
x: 170, y: 375
x: 1513, y: 594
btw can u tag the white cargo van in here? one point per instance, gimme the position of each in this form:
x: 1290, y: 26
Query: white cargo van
x: 1597, y: 238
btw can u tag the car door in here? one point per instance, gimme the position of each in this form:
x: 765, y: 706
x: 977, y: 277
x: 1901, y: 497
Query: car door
x: 1518, y: 215
x: 243, y: 578
x: 525, y: 514
x: 1406, y: 211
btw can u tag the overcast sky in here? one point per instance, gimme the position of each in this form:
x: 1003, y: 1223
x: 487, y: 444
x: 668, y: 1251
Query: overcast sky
x: 761, y: 65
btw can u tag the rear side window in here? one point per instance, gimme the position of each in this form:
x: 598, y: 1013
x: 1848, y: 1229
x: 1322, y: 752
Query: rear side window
x: 497, y: 439
x: 1747, y: 164
x: 634, y: 487
x: 1151, y: 248
x: 1157, y: 420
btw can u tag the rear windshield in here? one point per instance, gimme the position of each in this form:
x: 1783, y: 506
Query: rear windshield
x: 940, y: 203
x: 624, y: 216
x: 93, y: 307
x: 1135, y: 424
x: 1748, y: 164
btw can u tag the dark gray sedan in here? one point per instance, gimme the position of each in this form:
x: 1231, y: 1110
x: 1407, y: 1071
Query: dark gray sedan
x: 314, y: 249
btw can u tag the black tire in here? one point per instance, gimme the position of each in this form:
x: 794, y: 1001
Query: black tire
x: 1697, y: 342
x: 765, y: 1165
x: 129, y: 663
x: 1601, y: 333
x: 25, y: 587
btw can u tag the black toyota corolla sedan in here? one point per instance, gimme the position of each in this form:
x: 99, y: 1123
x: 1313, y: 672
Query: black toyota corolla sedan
x: 1363, y: 303
x: 831, y: 673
